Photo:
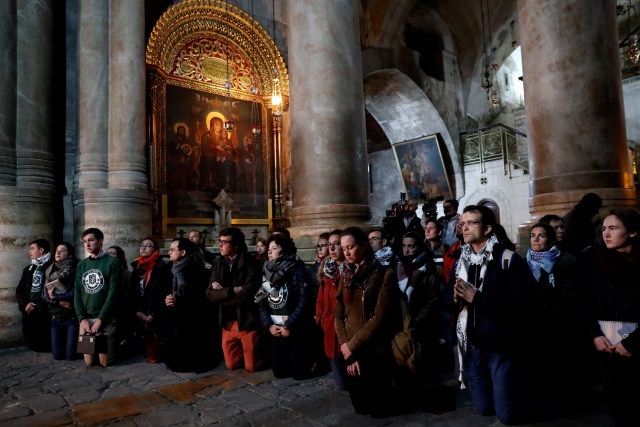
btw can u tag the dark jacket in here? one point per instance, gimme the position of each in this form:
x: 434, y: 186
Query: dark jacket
x: 300, y: 302
x: 397, y: 229
x: 23, y: 290
x: 614, y: 291
x: 245, y: 272
x: 500, y: 315
x: 371, y: 316
x: 559, y: 305
x: 149, y: 299
x: 579, y: 230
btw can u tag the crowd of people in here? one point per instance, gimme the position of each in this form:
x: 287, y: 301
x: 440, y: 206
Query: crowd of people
x: 534, y: 335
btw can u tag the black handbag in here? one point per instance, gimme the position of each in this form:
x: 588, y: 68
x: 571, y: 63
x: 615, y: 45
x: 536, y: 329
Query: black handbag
x: 92, y: 343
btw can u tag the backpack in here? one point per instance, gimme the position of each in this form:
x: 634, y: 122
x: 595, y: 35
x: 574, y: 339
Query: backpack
x: 410, y: 353
x: 406, y: 351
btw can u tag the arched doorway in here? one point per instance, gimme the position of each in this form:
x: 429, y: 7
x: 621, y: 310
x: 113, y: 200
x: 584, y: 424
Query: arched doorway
x: 491, y: 204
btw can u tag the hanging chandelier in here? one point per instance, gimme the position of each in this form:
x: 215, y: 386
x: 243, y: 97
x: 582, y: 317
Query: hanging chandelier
x: 255, y: 113
x: 487, y: 82
x: 633, y: 51
x: 228, y: 124
x: 255, y: 109
x: 276, y: 91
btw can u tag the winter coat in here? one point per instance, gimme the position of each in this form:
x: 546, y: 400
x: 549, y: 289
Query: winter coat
x: 245, y: 272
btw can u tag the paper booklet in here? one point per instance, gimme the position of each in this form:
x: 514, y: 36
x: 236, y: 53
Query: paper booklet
x: 60, y: 288
x: 279, y: 320
x: 616, y: 331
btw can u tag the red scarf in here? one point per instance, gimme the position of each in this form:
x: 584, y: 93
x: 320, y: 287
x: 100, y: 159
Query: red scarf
x: 147, y: 264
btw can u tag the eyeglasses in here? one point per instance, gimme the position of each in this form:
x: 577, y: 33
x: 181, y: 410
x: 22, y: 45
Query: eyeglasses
x: 334, y: 246
x: 323, y: 245
x: 145, y: 246
x: 173, y: 250
x: 470, y: 224
x: 225, y: 242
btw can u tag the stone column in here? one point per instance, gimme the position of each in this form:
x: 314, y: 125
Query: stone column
x: 93, y: 95
x: 34, y: 102
x: 112, y: 192
x: 7, y: 93
x: 329, y: 165
x: 574, y: 105
x: 27, y: 190
x: 127, y: 158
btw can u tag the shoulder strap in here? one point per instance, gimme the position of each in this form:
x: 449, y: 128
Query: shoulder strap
x: 505, y: 259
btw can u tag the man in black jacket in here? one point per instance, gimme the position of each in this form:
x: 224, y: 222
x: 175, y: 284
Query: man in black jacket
x: 36, y: 320
x: 402, y: 224
x: 235, y: 280
x: 496, y: 292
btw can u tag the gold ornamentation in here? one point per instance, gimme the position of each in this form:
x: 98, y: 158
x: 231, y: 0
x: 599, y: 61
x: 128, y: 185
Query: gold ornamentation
x: 202, y: 25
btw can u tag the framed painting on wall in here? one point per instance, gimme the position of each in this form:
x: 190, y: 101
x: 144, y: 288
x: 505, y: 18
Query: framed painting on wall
x: 422, y: 168
x: 197, y: 157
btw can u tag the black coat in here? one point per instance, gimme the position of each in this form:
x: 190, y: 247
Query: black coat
x: 246, y: 273
x: 149, y: 299
x: 23, y: 290
x: 500, y: 316
x: 614, y: 284
x: 300, y: 302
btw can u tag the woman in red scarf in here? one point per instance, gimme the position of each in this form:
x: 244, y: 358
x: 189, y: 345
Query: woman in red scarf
x: 150, y: 282
x: 328, y: 277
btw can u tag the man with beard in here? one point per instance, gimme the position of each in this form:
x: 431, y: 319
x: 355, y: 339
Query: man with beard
x: 449, y: 221
x: 402, y: 224
x: 495, y: 288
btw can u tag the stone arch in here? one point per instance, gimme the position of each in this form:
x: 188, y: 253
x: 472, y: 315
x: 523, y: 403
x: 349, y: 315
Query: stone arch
x: 191, y: 20
x: 403, y: 112
x: 501, y: 200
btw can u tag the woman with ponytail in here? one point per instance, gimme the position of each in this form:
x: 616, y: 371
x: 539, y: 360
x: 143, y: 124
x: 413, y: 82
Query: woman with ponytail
x: 366, y: 318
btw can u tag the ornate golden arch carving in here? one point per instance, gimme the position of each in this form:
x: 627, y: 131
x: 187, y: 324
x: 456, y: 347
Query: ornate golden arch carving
x: 196, y: 23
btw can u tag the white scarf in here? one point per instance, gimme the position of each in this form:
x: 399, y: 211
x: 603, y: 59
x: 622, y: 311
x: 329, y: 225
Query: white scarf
x: 467, y: 259
x: 42, y: 260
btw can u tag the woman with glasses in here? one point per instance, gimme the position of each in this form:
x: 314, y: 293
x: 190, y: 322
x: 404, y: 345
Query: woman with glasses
x: 189, y: 335
x: 287, y: 310
x: 149, y: 283
x: 612, y: 271
x: 367, y: 316
x: 328, y: 277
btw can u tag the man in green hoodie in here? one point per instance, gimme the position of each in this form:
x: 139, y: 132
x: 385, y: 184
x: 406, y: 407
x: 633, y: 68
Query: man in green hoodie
x: 98, y: 295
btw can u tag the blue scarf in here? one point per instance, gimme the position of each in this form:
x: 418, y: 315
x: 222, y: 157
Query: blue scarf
x: 543, y: 260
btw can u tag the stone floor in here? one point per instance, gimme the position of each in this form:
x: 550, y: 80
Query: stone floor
x: 35, y: 390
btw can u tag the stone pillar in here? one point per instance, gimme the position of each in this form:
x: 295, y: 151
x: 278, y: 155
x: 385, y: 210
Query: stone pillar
x: 127, y: 158
x: 93, y: 95
x: 7, y: 93
x: 329, y: 170
x: 27, y: 186
x: 574, y: 105
x: 112, y: 187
